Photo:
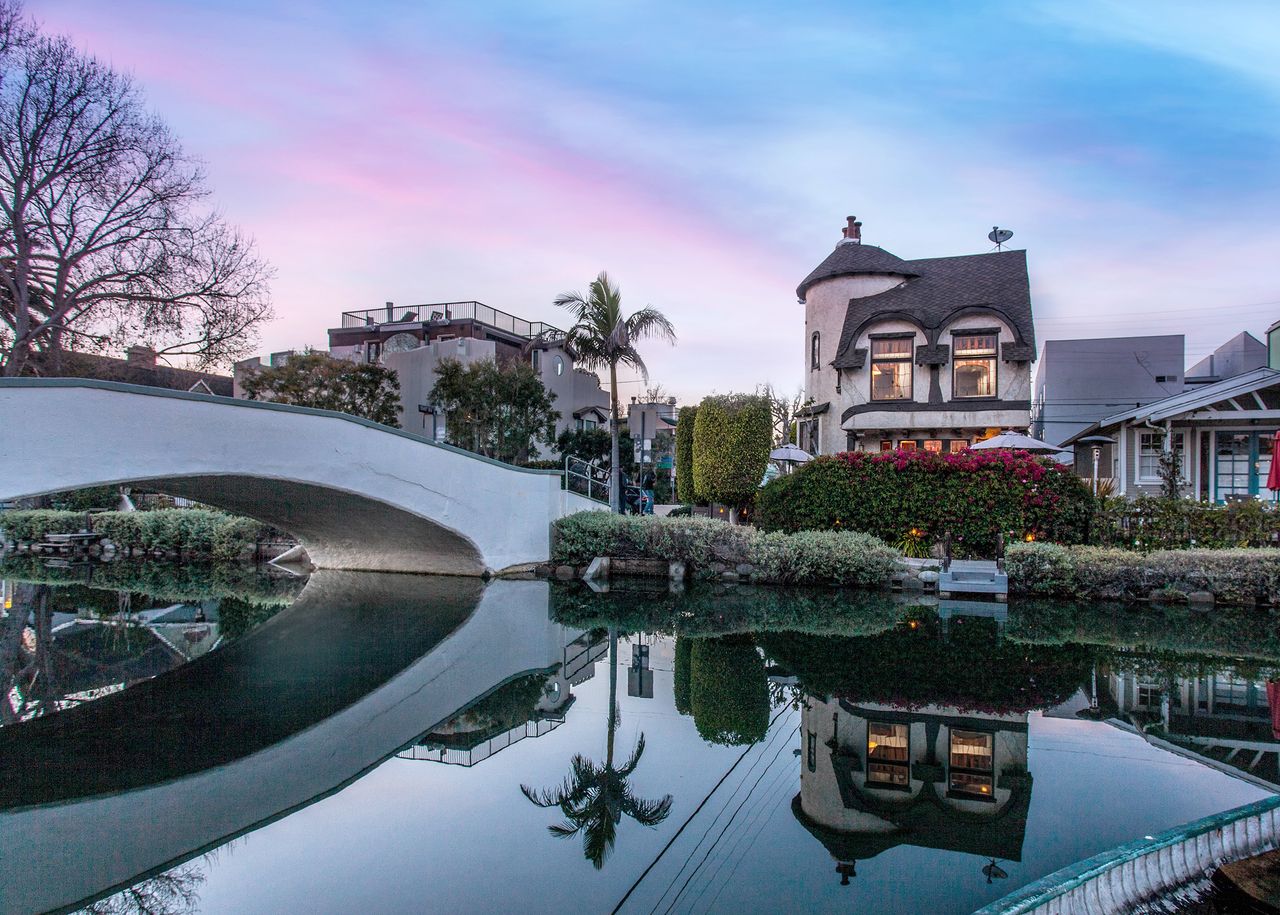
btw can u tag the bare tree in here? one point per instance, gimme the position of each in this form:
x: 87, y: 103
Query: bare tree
x: 105, y: 238
x: 784, y: 411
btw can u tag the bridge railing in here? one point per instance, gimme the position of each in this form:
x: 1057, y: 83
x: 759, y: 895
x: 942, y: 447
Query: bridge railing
x: 586, y: 478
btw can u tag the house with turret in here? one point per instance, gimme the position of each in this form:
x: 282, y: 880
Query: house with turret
x: 929, y: 354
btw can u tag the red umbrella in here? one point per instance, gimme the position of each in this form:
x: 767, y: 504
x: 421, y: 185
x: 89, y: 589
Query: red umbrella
x: 1273, y: 700
x: 1273, y: 476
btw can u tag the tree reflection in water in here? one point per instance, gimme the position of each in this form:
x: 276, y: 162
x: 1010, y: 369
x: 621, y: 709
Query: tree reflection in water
x: 595, y: 797
x: 174, y: 892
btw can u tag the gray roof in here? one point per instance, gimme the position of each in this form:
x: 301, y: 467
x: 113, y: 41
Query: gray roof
x: 850, y: 258
x: 937, y: 289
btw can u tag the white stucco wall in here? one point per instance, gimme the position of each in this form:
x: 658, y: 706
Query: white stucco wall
x: 825, y: 305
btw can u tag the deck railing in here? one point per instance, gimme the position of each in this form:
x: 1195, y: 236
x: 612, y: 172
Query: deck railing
x: 444, y: 312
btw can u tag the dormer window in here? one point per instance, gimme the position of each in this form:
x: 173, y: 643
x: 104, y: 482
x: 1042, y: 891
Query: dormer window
x: 815, y: 351
x: 974, y: 364
x: 891, y: 367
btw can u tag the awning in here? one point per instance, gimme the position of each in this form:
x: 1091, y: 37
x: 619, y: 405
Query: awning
x: 814, y: 409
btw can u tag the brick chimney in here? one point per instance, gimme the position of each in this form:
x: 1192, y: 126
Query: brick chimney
x: 141, y: 355
x: 853, y: 231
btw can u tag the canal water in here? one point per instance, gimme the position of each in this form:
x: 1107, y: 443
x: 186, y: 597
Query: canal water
x: 224, y: 740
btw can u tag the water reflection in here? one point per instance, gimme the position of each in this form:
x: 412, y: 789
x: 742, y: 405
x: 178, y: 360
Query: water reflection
x: 914, y: 726
x: 594, y: 797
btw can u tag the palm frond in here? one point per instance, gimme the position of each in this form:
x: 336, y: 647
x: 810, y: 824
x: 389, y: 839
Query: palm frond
x: 649, y: 323
x: 646, y: 813
x: 634, y: 759
x: 565, y: 830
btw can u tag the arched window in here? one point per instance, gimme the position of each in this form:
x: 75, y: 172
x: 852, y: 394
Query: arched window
x: 815, y: 351
x: 558, y: 363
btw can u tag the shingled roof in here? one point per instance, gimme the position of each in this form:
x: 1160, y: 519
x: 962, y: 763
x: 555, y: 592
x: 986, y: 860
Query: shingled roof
x: 937, y: 288
x: 850, y: 258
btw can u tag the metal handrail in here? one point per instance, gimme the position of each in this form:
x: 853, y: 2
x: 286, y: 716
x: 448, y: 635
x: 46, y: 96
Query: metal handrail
x: 444, y: 312
x: 586, y: 478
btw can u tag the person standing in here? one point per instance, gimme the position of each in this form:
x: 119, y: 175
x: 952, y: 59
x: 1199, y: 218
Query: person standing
x: 647, y: 482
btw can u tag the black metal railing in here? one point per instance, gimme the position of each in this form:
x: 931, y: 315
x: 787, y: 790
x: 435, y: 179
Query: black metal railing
x: 445, y: 312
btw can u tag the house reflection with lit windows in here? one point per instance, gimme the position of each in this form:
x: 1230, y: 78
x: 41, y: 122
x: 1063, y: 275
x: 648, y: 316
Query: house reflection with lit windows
x: 876, y: 776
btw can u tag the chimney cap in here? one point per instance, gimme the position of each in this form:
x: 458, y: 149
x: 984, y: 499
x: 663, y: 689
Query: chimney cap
x: 853, y: 231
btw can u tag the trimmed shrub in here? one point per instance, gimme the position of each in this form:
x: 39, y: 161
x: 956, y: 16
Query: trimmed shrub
x: 185, y: 530
x: 684, y: 453
x: 1239, y: 576
x: 683, y: 670
x: 822, y: 557
x: 1150, y: 523
x: 811, y: 557
x: 731, y: 439
x: 728, y: 690
x: 974, y: 495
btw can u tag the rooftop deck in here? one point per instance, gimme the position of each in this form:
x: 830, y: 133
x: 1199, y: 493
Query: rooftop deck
x: 446, y: 312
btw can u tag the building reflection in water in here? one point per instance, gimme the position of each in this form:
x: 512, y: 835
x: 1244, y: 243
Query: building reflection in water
x: 1225, y: 717
x: 529, y: 706
x: 874, y: 776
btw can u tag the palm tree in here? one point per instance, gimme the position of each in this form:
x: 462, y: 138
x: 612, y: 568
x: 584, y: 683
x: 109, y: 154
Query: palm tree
x: 603, y: 336
x: 593, y: 797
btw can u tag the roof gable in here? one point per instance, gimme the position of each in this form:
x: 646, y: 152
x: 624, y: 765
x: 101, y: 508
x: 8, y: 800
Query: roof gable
x: 850, y: 259
x: 941, y: 287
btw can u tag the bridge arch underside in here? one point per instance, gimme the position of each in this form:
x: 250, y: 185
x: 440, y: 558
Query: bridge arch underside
x: 338, y: 529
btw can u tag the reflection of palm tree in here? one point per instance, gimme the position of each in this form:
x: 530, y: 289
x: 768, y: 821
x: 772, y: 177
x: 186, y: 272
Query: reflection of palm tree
x: 594, y: 798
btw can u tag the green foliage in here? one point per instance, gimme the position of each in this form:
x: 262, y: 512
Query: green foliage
x: 685, y: 422
x: 83, y: 500
x: 593, y: 445
x: 508, y: 706
x: 163, y: 580
x: 683, y: 671
x: 1233, y: 576
x: 732, y: 435
x: 237, y: 617
x: 312, y: 379
x: 496, y: 408
x: 1150, y: 523
x: 728, y: 690
x: 912, y: 665
x: 813, y: 557
x: 707, y: 609
x: 974, y: 495
x: 196, y: 531
x: 821, y: 557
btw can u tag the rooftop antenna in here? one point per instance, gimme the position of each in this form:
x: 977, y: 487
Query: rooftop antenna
x: 1000, y: 236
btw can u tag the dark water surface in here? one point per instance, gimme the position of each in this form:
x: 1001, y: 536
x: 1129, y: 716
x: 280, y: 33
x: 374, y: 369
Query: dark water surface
x: 219, y: 740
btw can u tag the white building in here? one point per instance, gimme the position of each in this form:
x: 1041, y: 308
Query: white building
x: 932, y: 353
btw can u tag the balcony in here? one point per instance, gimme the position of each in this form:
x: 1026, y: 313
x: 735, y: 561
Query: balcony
x: 448, y: 312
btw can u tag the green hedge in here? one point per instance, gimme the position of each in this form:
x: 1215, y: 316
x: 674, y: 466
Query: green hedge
x: 840, y: 557
x: 728, y: 690
x: 1237, y: 576
x: 1151, y: 523
x: 920, y: 496
x: 731, y: 439
x: 185, y: 530
x: 684, y: 453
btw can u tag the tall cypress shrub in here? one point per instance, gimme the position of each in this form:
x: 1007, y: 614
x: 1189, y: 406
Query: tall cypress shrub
x: 684, y: 454
x: 732, y: 435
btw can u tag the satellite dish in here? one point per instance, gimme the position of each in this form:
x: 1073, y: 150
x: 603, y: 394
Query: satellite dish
x: 999, y: 235
x: 401, y: 343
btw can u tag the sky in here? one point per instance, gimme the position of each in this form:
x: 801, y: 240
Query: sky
x: 707, y: 154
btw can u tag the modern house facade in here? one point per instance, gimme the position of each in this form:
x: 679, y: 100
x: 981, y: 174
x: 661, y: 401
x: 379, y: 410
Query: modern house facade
x: 932, y: 353
x: 414, y: 340
x: 1078, y: 382
x: 652, y: 425
x: 1222, y: 429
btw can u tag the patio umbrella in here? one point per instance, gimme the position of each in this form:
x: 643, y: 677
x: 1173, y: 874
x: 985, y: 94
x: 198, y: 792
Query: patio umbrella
x: 1273, y: 700
x: 1016, y: 441
x: 790, y: 453
x: 1273, y: 475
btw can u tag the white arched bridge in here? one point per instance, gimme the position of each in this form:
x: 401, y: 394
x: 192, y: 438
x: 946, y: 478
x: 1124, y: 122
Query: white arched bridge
x: 356, y: 494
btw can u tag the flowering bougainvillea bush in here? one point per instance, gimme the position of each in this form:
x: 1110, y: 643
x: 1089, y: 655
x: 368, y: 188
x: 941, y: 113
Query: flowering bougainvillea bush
x: 974, y: 495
